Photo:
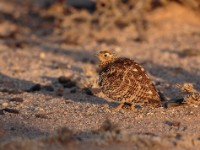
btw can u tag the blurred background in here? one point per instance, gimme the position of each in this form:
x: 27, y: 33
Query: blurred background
x: 109, y: 22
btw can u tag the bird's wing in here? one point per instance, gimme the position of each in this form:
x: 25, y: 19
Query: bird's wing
x: 128, y: 78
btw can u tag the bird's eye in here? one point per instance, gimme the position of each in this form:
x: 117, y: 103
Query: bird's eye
x: 105, y: 55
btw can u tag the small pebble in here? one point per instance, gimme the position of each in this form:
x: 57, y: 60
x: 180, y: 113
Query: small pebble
x: 61, y: 66
x: 174, y: 123
x: 48, y: 88
x: 42, y: 55
x: 1, y: 112
x: 59, y: 92
x: 5, y: 104
x: 66, y: 82
x: 42, y: 116
x: 36, y: 87
x: 14, y: 92
x: 138, y: 107
x: 63, y: 80
x: 73, y: 90
x: 190, y: 52
x: 9, y: 110
x: 87, y: 60
x: 68, y: 101
x: 69, y: 84
x: 4, y: 90
x: 141, y: 116
x: 10, y: 91
x: 17, y: 99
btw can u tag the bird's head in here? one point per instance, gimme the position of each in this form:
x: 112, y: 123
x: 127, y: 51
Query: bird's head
x: 105, y: 57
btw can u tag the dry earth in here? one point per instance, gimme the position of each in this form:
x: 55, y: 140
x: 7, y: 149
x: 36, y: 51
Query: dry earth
x: 39, y: 110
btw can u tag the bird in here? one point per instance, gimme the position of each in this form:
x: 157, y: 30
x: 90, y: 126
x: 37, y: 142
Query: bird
x: 124, y: 80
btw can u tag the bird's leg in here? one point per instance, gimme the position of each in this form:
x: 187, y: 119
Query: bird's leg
x: 132, y: 107
x: 118, y: 107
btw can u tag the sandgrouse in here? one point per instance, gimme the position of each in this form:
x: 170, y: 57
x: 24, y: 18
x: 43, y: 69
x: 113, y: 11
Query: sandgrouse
x: 124, y: 80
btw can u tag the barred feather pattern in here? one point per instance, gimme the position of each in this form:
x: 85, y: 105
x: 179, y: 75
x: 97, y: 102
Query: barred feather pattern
x: 126, y: 81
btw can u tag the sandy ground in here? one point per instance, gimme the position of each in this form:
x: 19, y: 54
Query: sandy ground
x: 59, y: 114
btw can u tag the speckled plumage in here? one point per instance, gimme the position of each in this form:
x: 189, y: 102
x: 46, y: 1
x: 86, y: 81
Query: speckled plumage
x: 124, y: 80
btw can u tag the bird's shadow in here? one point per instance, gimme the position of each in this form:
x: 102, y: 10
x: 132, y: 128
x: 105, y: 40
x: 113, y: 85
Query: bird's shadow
x: 172, y: 76
x: 16, y: 86
x: 87, y: 95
